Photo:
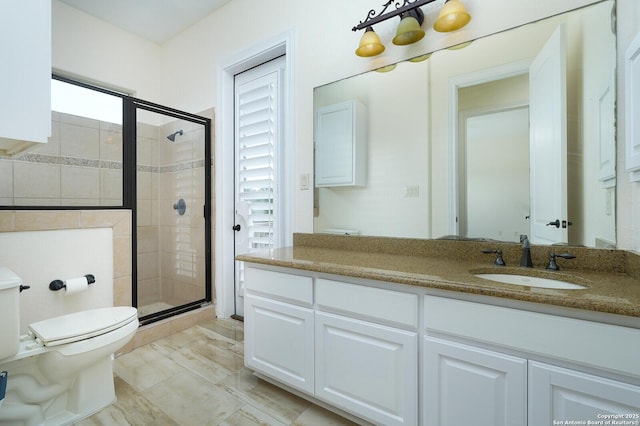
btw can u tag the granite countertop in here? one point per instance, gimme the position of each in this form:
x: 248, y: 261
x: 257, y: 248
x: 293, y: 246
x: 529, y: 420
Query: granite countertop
x: 608, y: 289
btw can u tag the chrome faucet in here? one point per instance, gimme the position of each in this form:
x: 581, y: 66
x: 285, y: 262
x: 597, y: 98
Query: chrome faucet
x: 525, y: 260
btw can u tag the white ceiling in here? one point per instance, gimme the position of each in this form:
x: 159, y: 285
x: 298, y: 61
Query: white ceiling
x: 154, y: 20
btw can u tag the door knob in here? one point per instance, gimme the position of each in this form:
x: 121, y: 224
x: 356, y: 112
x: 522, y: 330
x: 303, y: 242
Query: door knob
x: 236, y: 227
x: 556, y: 223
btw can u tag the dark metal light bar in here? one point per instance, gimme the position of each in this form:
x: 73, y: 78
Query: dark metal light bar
x: 372, y: 19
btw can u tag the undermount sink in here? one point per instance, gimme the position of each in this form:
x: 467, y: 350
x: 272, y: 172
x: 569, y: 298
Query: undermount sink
x: 528, y: 281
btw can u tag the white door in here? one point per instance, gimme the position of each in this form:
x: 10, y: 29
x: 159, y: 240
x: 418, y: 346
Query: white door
x: 463, y: 385
x: 367, y: 369
x: 560, y: 396
x: 548, y: 141
x: 258, y: 165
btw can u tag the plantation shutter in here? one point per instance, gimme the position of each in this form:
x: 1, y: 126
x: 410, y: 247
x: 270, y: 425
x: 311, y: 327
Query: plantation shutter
x: 256, y: 160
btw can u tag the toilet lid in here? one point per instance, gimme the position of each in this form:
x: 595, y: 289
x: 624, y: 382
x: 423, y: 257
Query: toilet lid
x: 82, y: 325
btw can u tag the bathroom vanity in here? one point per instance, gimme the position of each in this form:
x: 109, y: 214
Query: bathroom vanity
x: 397, y: 339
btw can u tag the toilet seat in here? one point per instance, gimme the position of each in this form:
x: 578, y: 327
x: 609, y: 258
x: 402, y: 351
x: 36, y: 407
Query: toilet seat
x: 82, y: 325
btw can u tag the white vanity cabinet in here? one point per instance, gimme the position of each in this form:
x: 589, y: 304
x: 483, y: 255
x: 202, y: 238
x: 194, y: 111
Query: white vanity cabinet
x: 279, y: 327
x: 402, y: 355
x: 25, y: 106
x: 465, y: 385
x: 340, y: 145
x: 364, y: 363
x: 464, y: 380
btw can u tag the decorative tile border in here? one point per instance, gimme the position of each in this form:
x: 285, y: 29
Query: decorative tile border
x: 66, y: 161
x: 186, y: 165
x: 102, y: 164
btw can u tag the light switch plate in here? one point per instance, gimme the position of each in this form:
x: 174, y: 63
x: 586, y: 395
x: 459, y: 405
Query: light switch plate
x: 304, y: 181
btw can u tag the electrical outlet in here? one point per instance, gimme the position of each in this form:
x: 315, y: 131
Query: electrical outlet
x: 411, y: 191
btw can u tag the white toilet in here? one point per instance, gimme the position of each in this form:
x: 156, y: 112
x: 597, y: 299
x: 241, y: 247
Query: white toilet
x: 61, y: 371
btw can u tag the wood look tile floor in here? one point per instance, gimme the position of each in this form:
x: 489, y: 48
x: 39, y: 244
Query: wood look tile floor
x: 197, y: 377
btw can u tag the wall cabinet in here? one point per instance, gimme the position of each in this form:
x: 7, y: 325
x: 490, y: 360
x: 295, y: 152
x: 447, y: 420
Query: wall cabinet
x: 25, y: 106
x: 464, y: 385
x: 340, y: 145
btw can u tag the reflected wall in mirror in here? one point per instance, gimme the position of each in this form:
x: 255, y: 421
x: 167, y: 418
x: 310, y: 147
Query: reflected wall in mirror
x: 451, y: 151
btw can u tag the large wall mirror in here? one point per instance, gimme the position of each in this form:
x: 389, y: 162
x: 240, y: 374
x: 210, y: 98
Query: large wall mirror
x: 511, y: 134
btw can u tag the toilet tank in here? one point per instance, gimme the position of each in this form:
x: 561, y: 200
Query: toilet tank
x: 9, y: 312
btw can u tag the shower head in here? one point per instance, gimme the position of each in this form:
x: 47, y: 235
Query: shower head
x: 172, y: 136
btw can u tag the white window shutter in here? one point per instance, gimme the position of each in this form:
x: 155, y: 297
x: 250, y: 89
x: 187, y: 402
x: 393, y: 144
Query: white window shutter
x: 256, y: 159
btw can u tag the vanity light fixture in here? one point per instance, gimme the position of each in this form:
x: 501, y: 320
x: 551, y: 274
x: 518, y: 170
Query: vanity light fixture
x: 452, y: 17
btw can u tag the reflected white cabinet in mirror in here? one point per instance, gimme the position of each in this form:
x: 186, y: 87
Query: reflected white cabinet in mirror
x: 632, y: 84
x: 341, y: 150
x: 424, y: 118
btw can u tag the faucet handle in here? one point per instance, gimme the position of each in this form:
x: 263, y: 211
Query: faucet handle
x: 553, y: 266
x: 499, y: 260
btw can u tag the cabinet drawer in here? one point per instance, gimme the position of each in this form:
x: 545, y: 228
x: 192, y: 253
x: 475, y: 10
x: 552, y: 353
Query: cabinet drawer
x: 283, y: 286
x: 608, y: 347
x: 374, y: 303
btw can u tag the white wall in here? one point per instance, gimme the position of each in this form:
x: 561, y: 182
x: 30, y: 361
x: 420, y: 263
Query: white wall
x: 39, y: 257
x: 97, y: 51
x: 397, y: 155
x: 182, y: 72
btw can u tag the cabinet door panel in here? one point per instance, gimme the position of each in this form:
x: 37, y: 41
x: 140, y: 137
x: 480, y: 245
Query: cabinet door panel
x: 279, y: 341
x: 25, y: 106
x: 463, y: 385
x: 367, y: 369
x: 559, y: 395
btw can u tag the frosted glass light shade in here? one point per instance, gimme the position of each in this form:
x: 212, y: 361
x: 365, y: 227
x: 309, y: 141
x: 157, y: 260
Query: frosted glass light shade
x: 420, y: 58
x: 453, y: 16
x: 370, y: 44
x: 387, y: 68
x: 409, y: 31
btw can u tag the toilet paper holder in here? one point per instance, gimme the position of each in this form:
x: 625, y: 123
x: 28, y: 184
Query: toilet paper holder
x: 56, y: 285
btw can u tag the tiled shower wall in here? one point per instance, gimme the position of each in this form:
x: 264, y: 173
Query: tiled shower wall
x: 81, y: 165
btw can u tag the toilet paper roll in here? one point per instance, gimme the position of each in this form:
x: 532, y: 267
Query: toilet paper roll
x: 76, y: 285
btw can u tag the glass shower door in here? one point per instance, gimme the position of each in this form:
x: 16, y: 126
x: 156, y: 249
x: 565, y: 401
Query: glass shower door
x: 172, y: 212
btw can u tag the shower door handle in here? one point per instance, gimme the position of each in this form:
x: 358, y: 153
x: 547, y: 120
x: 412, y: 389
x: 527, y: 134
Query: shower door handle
x: 236, y: 227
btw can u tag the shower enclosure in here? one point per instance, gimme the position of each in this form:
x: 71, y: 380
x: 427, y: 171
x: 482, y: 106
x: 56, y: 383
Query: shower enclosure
x: 172, y: 214
x: 109, y: 150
